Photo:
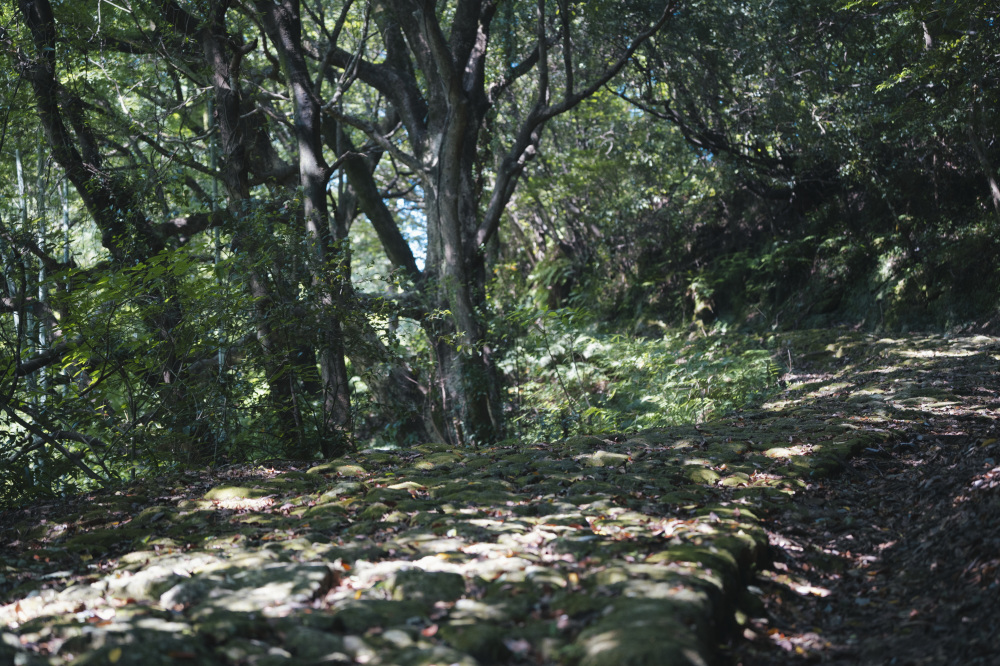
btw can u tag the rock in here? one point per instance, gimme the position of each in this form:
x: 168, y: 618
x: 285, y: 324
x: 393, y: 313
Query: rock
x: 148, y: 583
x: 603, y: 459
x: 149, y: 649
x: 188, y: 592
x: 435, y: 656
x: 643, y: 633
x: 358, y: 616
x: 221, y: 493
x: 485, y: 642
x: 426, y: 587
x: 249, y: 590
x: 704, y: 475
x: 315, y: 645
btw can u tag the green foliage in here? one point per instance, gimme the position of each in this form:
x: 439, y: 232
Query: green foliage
x: 139, y: 366
x: 762, y: 164
x: 785, y: 164
x: 568, y: 377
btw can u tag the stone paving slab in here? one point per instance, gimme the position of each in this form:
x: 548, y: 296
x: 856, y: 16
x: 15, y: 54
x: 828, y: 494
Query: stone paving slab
x: 598, y: 550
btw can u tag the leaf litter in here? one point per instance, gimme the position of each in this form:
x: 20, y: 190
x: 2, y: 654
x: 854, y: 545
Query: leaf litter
x: 905, y: 543
x: 864, y: 496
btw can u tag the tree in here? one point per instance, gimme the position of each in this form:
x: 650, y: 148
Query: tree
x: 148, y: 109
x: 846, y: 138
x: 454, y: 77
x: 139, y: 167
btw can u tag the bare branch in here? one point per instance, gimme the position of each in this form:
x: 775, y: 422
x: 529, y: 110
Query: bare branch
x: 174, y: 157
x: 332, y: 40
x: 46, y: 436
x: 526, y: 142
x: 378, y: 138
x: 518, y: 70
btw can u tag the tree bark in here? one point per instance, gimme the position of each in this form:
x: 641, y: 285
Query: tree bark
x: 282, y: 23
x: 435, y: 83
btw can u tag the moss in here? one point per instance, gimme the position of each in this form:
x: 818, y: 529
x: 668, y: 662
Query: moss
x: 102, y: 539
x: 703, y: 475
x: 374, y: 511
x: 735, y: 480
x: 339, y: 467
x: 603, y: 459
x: 221, y: 493
x: 485, y: 642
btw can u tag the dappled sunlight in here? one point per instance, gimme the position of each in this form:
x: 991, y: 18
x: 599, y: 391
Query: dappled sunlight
x: 548, y: 535
x: 248, y: 504
x: 936, y: 353
x: 895, y: 545
x: 591, y: 549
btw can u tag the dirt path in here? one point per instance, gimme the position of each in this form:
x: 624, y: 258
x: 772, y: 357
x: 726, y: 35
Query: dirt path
x: 896, y: 560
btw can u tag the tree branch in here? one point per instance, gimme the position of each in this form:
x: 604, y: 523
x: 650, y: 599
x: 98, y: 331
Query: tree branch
x: 376, y: 136
x: 43, y: 360
x: 47, y: 437
x: 188, y: 226
x: 526, y: 143
x: 26, y: 242
x: 567, y: 48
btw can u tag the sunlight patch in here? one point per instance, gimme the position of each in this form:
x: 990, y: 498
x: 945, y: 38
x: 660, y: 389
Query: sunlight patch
x: 245, y: 504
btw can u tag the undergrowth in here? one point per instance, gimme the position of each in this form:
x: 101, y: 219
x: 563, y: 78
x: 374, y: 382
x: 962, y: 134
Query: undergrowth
x: 568, y: 377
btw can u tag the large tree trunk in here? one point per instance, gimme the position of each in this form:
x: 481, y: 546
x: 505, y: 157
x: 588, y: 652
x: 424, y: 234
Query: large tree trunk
x: 467, y: 374
x: 434, y: 78
x: 246, y: 149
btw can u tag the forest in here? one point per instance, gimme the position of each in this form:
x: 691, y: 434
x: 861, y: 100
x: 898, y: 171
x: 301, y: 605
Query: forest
x: 237, y: 231
x: 244, y: 233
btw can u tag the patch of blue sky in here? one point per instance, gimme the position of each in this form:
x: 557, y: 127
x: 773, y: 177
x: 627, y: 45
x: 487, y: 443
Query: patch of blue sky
x: 413, y: 225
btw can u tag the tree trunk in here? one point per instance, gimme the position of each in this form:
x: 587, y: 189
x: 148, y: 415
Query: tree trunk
x: 467, y: 375
x: 976, y: 130
x: 282, y: 23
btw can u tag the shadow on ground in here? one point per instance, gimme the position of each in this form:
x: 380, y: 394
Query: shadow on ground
x: 607, y: 549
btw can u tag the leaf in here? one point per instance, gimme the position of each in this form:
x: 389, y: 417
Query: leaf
x: 114, y: 655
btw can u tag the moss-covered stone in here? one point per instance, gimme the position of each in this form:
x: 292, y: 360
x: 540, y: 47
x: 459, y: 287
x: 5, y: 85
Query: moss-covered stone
x: 441, y: 460
x: 643, y: 633
x: 703, y: 475
x: 603, y: 459
x: 358, y: 616
x: 484, y: 642
x: 339, y: 467
x: 427, y: 587
x: 221, y: 493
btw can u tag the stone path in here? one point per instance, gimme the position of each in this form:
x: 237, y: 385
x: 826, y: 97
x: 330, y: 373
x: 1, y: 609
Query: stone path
x: 610, y: 549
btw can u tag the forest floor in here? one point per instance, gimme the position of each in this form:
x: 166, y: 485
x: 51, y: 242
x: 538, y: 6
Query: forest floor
x: 897, y: 560
x: 853, y: 519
